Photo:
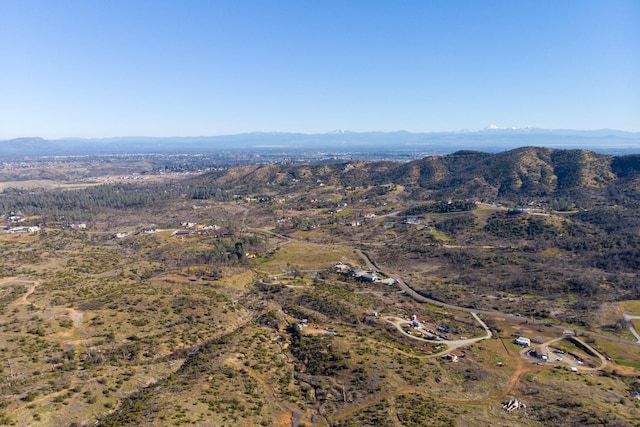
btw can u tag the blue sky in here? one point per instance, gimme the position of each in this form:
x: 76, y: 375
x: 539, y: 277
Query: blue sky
x: 88, y: 68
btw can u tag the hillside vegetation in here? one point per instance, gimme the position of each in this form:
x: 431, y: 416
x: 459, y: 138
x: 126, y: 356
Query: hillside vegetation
x: 282, y: 295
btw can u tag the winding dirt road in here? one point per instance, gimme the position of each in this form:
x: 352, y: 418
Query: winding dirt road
x: 33, y: 284
x: 451, y: 345
x: 75, y: 315
x: 490, y: 313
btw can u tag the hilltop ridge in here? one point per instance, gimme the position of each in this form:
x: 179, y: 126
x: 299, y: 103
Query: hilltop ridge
x: 533, y: 172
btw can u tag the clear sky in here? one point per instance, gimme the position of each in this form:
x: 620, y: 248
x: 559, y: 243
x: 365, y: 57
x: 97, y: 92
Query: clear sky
x: 98, y: 68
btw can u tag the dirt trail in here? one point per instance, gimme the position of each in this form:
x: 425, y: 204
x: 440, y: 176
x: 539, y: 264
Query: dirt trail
x: 75, y: 315
x: 44, y: 398
x: 23, y: 299
x: 491, y: 397
x: 403, y: 286
x: 515, y: 378
x: 393, y: 412
x: 391, y: 396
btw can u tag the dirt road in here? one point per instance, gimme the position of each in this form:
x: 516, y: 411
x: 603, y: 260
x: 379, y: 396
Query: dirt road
x: 451, y: 345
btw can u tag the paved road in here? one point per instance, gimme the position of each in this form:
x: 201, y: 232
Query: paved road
x: 628, y: 318
x: 371, y: 265
x: 491, y: 313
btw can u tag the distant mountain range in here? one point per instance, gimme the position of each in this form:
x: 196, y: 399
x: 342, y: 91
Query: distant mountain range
x: 492, y: 139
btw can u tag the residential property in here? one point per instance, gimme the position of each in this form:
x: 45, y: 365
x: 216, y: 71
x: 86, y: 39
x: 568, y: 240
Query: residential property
x: 342, y: 268
x: 540, y: 353
x: 364, y: 275
x: 360, y: 274
x: 303, y: 324
x: 412, y: 221
x: 33, y: 229
x: 525, y: 342
x: 12, y: 217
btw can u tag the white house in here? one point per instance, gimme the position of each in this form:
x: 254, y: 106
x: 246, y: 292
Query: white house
x: 525, y: 342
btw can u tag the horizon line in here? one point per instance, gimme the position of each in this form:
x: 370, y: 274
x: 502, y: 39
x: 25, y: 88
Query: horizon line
x: 332, y: 132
